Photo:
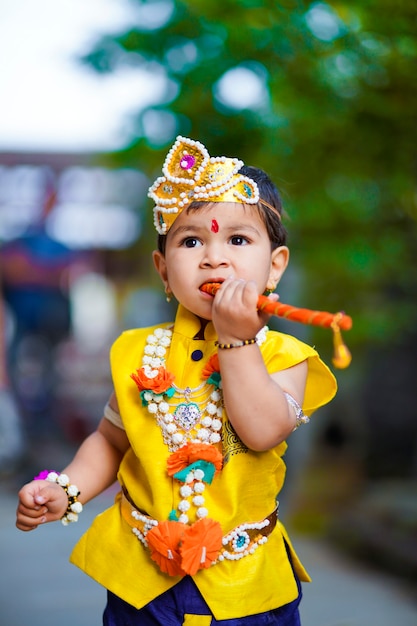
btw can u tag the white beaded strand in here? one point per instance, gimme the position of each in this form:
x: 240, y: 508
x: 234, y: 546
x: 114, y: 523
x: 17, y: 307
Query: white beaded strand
x: 74, y: 506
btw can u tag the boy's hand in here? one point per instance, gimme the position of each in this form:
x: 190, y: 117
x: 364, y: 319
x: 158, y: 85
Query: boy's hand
x: 234, y: 313
x: 39, y: 502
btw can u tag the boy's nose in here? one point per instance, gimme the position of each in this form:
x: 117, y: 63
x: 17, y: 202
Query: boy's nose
x: 215, y: 256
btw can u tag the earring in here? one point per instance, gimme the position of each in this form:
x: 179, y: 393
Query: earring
x: 168, y: 294
x: 269, y: 290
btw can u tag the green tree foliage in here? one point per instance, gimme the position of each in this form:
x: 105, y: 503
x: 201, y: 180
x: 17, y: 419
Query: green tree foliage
x: 336, y: 130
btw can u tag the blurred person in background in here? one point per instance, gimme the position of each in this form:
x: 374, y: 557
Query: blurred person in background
x: 35, y: 282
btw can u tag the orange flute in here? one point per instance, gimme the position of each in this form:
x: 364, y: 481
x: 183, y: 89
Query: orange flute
x: 335, y: 321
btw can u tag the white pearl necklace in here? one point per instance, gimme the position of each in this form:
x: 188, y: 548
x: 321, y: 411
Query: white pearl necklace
x: 190, y: 415
x: 193, y: 415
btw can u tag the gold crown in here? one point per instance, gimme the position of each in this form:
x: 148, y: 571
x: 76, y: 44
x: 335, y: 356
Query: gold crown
x: 191, y: 174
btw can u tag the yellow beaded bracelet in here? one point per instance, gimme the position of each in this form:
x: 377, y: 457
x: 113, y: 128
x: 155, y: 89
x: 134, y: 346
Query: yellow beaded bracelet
x: 238, y: 344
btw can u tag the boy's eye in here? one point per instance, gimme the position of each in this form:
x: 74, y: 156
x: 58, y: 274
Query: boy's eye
x: 190, y: 242
x: 238, y: 240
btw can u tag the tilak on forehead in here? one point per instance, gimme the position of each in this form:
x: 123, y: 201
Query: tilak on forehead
x: 214, y: 226
x: 191, y: 174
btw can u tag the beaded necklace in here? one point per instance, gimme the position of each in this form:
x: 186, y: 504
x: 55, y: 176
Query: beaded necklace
x: 184, y: 415
x: 191, y: 425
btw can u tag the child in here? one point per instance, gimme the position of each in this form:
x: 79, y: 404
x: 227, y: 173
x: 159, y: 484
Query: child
x: 195, y: 429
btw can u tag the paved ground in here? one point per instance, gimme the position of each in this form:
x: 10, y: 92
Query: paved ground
x: 38, y: 587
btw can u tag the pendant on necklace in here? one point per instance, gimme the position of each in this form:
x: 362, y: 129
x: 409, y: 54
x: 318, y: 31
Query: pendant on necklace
x: 187, y: 415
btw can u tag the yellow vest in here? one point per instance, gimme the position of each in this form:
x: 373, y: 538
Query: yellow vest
x: 244, y: 491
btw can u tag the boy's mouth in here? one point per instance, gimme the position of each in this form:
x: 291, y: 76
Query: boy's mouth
x: 211, y: 286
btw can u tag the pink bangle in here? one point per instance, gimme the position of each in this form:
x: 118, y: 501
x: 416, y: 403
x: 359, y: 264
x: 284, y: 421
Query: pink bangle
x: 43, y: 475
x: 74, y: 507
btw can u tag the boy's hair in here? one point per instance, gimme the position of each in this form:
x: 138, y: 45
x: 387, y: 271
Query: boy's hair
x: 267, y: 191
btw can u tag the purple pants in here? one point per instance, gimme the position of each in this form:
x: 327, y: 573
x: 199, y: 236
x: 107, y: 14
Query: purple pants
x: 169, y: 609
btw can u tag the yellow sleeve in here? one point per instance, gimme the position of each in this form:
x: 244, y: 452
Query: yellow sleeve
x: 282, y: 351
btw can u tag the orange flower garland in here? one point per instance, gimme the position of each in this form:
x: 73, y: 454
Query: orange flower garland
x: 158, y: 384
x: 164, y: 541
x: 192, y: 452
x: 177, y: 546
x: 178, y: 549
x: 211, y: 366
x: 201, y: 545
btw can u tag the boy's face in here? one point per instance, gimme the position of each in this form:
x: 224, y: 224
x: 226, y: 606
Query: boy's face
x: 212, y: 243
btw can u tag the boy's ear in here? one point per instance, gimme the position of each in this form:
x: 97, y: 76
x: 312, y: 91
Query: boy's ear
x: 160, y: 266
x: 279, y: 261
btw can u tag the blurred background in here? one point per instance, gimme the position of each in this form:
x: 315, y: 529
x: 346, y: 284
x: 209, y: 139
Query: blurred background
x: 322, y: 95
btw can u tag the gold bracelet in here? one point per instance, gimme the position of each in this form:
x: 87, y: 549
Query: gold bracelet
x: 238, y: 344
